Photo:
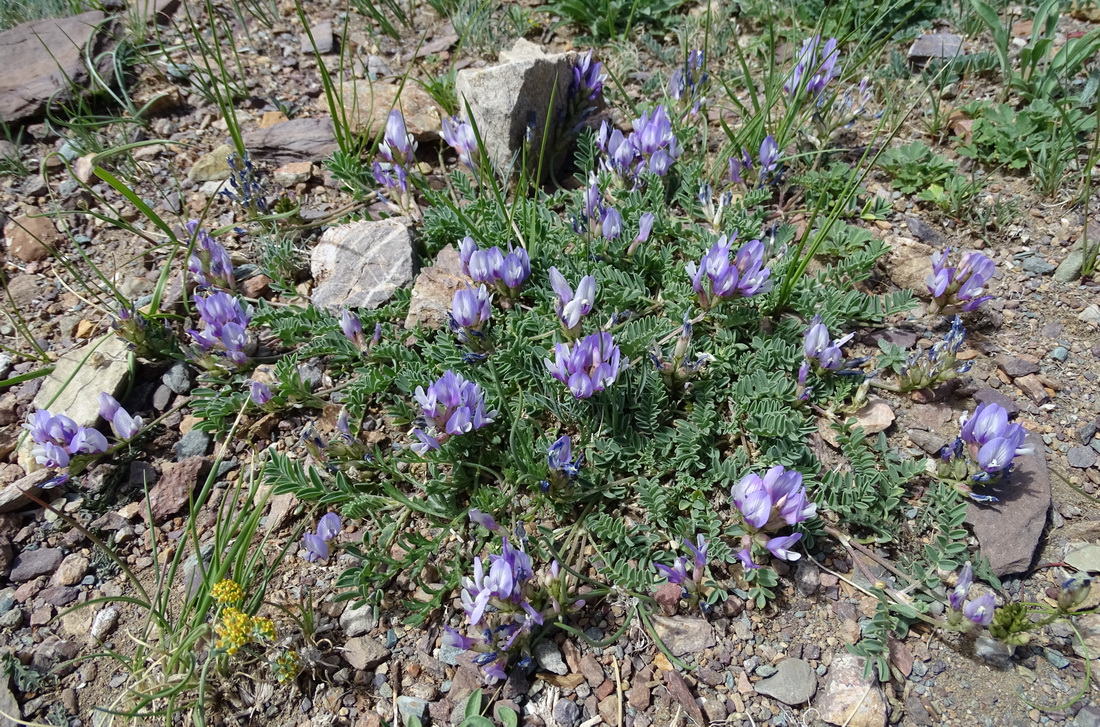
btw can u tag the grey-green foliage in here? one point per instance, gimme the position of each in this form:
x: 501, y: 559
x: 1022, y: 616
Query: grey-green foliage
x: 915, y: 166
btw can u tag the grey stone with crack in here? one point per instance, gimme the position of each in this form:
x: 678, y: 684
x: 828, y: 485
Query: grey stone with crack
x: 362, y: 264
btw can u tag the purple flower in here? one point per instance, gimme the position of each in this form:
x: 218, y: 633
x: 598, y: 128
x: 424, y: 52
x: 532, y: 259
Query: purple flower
x: 981, y: 609
x: 50, y: 455
x: 590, y: 366
x: 819, y: 349
x: 651, y: 146
x: 816, y: 65
x: 516, y: 267
x: 123, y: 425
x: 583, y: 96
x: 560, y: 458
x: 485, y: 520
x: 677, y: 573
x: 471, y: 308
x: 645, y: 226
x: 209, y: 263
x: 959, y: 288
x: 316, y: 544
x: 688, y: 82
x: 779, y: 546
x: 316, y: 547
x: 329, y: 526
x: 745, y: 556
x: 352, y: 327
x: 57, y: 437
x: 699, y: 550
x: 991, y: 439
x: 226, y: 321
x: 452, y: 406
x: 572, y: 307
x: 612, y: 223
x: 501, y: 585
x: 716, y: 277
x: 397, y: 145
x: 769, y: 156
x: 962, y: 587
x: 259, y: 393
x: 460, y: 136
x: 767, y: 502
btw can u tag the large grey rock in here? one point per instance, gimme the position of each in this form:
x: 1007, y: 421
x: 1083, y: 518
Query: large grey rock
x: 683, y: 635
x: 297, y: 140
x: 44, y: 60
x: 366, y: 106
x: 794, y: 682
x: 935, y: 46
x: 362, y: 264
x: 503, y: 97
x: 549, y: 657
x: 434, y: 290
x: 848, y: 698
x: 1009, y: 530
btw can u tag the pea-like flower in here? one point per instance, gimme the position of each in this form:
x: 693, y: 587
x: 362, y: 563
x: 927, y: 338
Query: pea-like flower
x: 766, y: 170
x: 352, y: 328
x: 611, y: 224
x: 767, y: 504
x: 259, y: 393
x: 572, y: 306
x: 689, y: 82
x: 209, y: 263
x: 590, y: 366
x: 470, y: 311
x: 502, y: 585
x: 57, y: 438
x: 958, y: 594
x: 980, y: 610
x: 508, y: 272
x: 245, y: 187
x: 716, y: 278
x: 461, y: 137
x: 992, y: 440
x: 398, y: 145
x: 651, y: 146
x: 452, y: 406
x: 124, y: 426
x: 224, y: 334
x: 820, y: 350
x: 959, y: 288
x: 316, y: 543
x: 816, y: 66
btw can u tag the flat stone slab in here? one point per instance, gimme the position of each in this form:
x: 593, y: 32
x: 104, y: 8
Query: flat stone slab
x: 434, y: 290
x: 44, y: 59
x: 367, y: 106
x: 362, y: 264
x: 1009, y: 530
x: 297, y: 140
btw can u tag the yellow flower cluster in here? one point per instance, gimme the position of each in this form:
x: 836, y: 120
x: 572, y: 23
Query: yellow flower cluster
x: 286, y: 666
x: 263, y: 628
x: 227, y: 592
x: 234, y: 630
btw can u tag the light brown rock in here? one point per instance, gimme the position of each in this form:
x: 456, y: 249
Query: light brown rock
x: 909, y: 263
x: 71, y: 570
x: 212, y: 167
x: 848, y: 698
x: 30, y: 236
x: 366, y: 106
x: 434, y: 290
x: 294, y: 173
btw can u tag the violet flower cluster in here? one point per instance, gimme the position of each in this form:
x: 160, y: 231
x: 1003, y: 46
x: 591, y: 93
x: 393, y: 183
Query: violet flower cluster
x: 209, y: 263
x: 767, y: 504
x: 977, y: 610
x: 650, y: 147
x: 925, y: 370
x: 677, y: 371
x: 984, y: 452
x: 224, y: 336
x: 571, y: 306
x: 591, y: 365
x: 397, y: 151
x: 716, y: 278
x: 507, y: 272
x: 596, y: 213
x: 583, y: 98
x: 765, y: 171
x: 57, y: 439
x: 469, y: 316
x: 122, y: 424
x: 501, y: 602
x: 244, y: 185
x: 460, y: 136
x: 678, y: 574
x: 815, y: 67
x: 958, y: 288
x: 689, y: 82
x: 451, y: 407
x: 316, y: 543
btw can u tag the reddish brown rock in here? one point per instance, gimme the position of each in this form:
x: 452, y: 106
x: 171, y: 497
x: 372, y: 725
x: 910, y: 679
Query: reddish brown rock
x: 30, y: 237
x: 174, y: 488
